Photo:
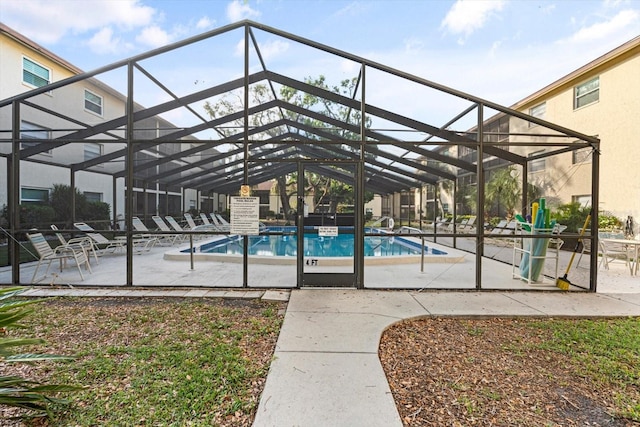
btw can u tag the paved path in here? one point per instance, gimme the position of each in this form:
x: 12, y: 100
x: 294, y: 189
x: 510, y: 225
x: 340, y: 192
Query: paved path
x: 326, y: 370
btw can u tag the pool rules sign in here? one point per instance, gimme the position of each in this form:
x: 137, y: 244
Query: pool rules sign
x: 245, y: 215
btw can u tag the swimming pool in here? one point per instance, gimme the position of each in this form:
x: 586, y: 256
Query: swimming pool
x: 281, y: 249
x: 317, y: 246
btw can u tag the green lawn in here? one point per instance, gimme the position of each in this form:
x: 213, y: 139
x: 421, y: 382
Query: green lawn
x: 158, y: 362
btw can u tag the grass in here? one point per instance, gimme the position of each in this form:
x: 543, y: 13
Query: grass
x: 160, y: 363
x: 606, y: 352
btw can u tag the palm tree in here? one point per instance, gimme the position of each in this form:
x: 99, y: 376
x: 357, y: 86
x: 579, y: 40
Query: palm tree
x: 504, y: 189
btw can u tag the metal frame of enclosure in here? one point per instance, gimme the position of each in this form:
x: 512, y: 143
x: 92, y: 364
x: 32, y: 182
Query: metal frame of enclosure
x: 393, y: 148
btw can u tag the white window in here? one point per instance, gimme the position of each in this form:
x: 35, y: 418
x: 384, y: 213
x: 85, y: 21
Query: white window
x: 34, y: 74
x: 34, y: 195
x: 537, y: 165
x: 538, y: 111
x: 92, y: 102
x: 93, y: 197
x: 32, y: 131
x: 587, y: 93
x: 92, y: 150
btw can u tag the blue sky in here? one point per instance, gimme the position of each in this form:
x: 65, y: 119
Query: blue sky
x: 498, y: 50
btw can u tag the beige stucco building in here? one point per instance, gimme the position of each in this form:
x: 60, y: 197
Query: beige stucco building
x: 601, y: 98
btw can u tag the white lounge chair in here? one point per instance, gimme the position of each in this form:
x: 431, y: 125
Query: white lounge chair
x: 175, y: 225
x: 103, y: 244
x: 190, y: 221
x: 205, y: 219
x: 223, y: 226
x: 160, y: 238
x: 201, y: 227
x: 164, y: 227
x: 61, y: 253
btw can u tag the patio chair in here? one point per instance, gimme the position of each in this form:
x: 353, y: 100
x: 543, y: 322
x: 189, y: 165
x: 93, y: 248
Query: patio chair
x: 164, y: 227
x: 469, y: 225
x: 218, y: 222
x: 201, y: 227
x: 84, y: 243
x: 612, y: 252
x: 190, y: 221
x: 205, y: 219
x: 160, y: 238
x: 106, y: 245
x: 61, y: 253
x: 499, y: 228
x: 175, y: 225
x: 458, y: 227
x: 442, y: 222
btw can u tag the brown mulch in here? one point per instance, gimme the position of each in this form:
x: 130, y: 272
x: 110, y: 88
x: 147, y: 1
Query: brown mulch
x: 462, y: 372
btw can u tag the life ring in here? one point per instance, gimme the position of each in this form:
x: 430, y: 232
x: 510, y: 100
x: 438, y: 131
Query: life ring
x: 391, y: 223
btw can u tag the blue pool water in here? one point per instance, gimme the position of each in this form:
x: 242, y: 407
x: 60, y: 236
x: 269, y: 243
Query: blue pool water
x: 317, y: 246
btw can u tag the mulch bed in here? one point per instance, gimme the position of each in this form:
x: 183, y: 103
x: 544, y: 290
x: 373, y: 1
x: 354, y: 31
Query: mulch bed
x: 461, y: 372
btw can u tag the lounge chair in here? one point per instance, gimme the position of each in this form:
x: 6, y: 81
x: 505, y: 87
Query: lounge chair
x: 468, y: 226
x: 458, y: 227
x: 202, y: 227
x: 205, y: 219
x: 220, y: 222
x: 494, y: 235
x: 164, y: 227
x: 160, y: 238
x: 175, y: 225
x: 104, y: 244
x: 83, y: 243
x: 61, y: 253
x: 499, y: 228
x: 190, y: 221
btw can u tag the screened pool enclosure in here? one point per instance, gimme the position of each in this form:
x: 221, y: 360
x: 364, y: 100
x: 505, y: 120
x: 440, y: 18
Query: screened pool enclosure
x: 336, y: 145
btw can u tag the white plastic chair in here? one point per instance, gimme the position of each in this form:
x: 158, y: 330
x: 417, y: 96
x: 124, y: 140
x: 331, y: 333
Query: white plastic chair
x: 83, y: 243
x: 61, y: 253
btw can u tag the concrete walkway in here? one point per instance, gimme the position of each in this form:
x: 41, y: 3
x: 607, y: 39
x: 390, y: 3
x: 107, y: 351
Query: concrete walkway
x: 326, y: 370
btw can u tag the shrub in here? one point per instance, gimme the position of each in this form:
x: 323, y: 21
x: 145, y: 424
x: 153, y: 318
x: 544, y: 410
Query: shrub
x: 572, y: 215
x: 36, y: 216
x: 96, y: 211
x: 608, y: 222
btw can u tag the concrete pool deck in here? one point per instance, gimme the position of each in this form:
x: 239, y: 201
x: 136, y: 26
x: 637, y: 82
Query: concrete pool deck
x: 151, y: 270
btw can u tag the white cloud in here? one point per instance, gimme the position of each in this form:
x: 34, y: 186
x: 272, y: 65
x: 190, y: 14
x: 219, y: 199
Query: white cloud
x: 48, y: 21
x: 465, y: 17
x: 104, y: 42
x: 154, y: 36
x: 273, y: 48
x: 237, y: 11
x: 268, y: 50
x: 625, y: 19
x: 204, y: 23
